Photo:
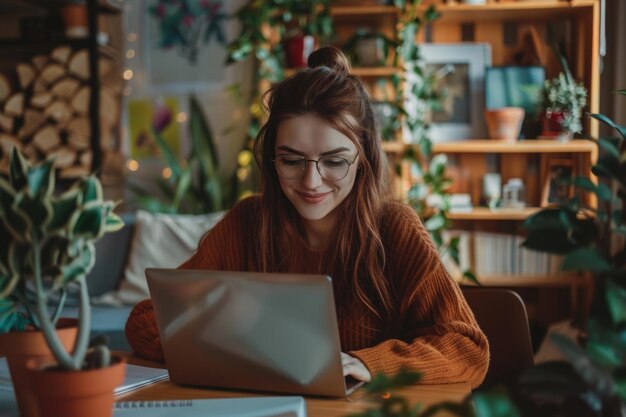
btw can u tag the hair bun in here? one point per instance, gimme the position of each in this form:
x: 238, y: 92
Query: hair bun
x: 330, y: 57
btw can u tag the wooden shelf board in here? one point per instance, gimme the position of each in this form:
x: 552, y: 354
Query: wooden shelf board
x: 526, y: 146
x: 393, y: 146
x: 522, y: 10
x: 20, y: 6
x: 555, y: 280
x: 352, y: 10
x: 484, y: 213
x: 375, y: 71
x: 360, y: 71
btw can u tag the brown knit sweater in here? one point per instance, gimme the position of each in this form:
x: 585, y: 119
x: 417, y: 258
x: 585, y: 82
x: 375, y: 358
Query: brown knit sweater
x: 434, y: 330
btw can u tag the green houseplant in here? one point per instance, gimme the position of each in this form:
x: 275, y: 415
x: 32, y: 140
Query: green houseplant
x: 47, y: 250
x: 592, y: 240
x: 195, y: 185
x: 563, y: 100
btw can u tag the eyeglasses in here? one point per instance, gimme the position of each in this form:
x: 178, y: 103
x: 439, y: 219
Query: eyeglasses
x: 331, y: 168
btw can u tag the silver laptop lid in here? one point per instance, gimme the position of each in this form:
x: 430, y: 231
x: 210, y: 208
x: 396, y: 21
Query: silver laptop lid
x: 246, y: 330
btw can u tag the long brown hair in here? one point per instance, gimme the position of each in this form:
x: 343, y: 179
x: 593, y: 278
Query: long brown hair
x: 327, y: 90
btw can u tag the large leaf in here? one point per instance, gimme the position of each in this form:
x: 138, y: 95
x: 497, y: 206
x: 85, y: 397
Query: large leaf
x: 113, y: 223
x: 609, y: 122
x: 91, y: 190
x: 494, y: 405
x: 593, y: 375
x: 616, y: 301
x: 79, y: 266
x: 601, y: 190
x: 41, y: 180
x: 620, y: 381
x: 382, y: 383
x: 585, y: 259
x: 18, y: 170
x: 205, y: 152
x: 90, y: 222
x: 63, y: 208
x: 17, y: 255
x: 10, y: 318
x: 37, y: 211
x: 168, y: 155
x: 19, y: 225
x: 54, y: 254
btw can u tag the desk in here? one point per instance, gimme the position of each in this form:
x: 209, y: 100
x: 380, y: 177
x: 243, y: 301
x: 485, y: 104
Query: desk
x: 316, y: 407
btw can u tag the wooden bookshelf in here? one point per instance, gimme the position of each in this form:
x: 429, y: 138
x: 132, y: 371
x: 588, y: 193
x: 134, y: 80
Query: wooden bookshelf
x: 522, y: 10
x: 484, y: 213
x: 356, y: 10
x: 360, y: 71
x: 525, y: 146
x: 482, y: 146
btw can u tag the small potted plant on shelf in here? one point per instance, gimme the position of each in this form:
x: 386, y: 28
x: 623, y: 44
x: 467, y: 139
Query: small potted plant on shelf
x: 47, y: 250
x: 309, y: 20
x: 368, y: 49
x: 564, y: 100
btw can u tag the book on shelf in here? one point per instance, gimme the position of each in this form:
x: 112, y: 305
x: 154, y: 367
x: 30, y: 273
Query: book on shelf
x: 136, y: 377
x: 494, y: 254
x: 223, y: 407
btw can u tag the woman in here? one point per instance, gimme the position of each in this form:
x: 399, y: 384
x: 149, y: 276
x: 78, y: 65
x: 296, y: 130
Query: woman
x: 324, y: 208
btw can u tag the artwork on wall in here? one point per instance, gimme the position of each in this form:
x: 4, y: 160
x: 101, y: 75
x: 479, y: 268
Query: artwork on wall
x: 146, y: 118
x: 558, y: 173
x: 183, y: 43
x: 459, y: 70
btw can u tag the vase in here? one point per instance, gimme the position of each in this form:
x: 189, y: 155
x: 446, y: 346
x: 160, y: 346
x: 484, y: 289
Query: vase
x: 63, y: 393
x: 504, y: 123
x: 552, y: 123
x: 370, y: 52
x: 20, y: 347
x: 297, y: 50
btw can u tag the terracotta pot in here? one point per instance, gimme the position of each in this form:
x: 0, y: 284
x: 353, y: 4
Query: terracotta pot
x: 504, y: 123
x: 19, y: 347
x: 75, y: 20
x: 297, y: 50
x: 62, y: 393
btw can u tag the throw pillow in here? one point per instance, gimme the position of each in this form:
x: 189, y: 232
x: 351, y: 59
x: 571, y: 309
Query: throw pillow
x: 159, y: 241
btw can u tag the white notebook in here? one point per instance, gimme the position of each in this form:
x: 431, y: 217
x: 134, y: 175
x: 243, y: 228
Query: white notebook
x: 136, y: 377
x: 229, y: 407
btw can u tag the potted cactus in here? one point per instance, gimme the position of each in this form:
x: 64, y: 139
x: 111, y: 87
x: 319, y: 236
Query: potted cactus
x: 47, y: 250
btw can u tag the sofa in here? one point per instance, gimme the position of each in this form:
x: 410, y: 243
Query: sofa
x: 117, y: 282
x: 112, y: 253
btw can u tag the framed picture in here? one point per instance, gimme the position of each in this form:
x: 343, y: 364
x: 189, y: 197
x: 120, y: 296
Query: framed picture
x: 557, y: 185
x: 180, y: 46
x: 460, y: 73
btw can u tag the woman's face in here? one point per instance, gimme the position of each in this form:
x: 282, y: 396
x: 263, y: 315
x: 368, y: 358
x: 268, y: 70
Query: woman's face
x: 310, y: 138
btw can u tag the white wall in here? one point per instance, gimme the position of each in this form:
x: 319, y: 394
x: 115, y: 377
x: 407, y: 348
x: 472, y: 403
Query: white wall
x: 222, y: 110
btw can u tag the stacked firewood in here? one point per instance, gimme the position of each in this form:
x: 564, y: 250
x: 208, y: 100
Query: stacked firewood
x: 44, y: 110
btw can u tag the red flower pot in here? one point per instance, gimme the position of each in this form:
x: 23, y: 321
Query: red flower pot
x: 297, y: 50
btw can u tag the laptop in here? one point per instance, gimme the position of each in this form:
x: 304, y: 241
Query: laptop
x: 249, y: 331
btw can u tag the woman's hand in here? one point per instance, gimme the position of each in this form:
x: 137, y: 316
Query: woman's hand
x: 356, y: 368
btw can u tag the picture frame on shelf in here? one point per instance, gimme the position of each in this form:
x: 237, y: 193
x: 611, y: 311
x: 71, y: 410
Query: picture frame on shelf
x: 460, y: 72
x: 557, y: 174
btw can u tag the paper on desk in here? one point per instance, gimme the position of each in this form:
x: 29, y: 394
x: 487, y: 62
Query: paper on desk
x: 228, y: 407
x: 136, y: 377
